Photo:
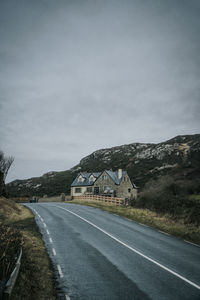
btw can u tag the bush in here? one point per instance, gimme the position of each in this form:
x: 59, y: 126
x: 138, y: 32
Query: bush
x: 167, y: 196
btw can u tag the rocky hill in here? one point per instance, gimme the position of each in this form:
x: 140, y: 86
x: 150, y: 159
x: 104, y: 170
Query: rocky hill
x: 178, y: 157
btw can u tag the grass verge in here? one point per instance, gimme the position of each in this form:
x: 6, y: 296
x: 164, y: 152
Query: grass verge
x: 36, y: 278
x: 164, y: 222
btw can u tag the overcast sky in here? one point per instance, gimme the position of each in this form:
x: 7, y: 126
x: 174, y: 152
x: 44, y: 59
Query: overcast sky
x: 77, y: 76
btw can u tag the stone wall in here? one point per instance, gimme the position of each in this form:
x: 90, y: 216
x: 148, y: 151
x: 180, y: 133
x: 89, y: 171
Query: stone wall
x: 102, y: 183
x: 126, y: 189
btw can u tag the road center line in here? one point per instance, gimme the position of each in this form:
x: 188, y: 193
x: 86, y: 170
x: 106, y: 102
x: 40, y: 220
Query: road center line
x: 54, y: 251
x: 132, y: 249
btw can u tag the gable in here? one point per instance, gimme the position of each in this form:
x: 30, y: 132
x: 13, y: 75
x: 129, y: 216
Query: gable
x: 107, y: 174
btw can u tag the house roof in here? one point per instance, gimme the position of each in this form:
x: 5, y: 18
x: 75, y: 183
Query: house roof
x: 86, y: 176
x: 114, y: 176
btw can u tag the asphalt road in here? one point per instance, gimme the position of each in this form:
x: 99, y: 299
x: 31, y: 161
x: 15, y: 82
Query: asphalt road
x: 99, y: 255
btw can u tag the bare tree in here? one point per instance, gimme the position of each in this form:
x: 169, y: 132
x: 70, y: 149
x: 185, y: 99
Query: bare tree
x: 5, y: 163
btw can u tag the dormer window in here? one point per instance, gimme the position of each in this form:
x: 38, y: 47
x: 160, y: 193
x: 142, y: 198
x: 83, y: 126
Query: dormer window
x: 104, y: 177
x: 91, y: 178
x: 81, y: 178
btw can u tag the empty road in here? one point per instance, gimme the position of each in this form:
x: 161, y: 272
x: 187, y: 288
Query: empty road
x: 99, y: 255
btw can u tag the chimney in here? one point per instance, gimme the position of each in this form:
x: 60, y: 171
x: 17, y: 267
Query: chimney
x: 119, y: 173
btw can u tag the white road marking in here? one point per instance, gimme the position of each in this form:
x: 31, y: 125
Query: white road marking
x: 54, y: 251
x: 192, y: 243
x: 42, y: 220
x: 60, y: 271
x: 50, y: 240
x: 163, y: 232
x: 67, y: 297
x: 143, y: 225
x: 132, y: 249
x: 36, y: 212
x: 128, y: 219
x: 47, y: 232
x: 44, y: 225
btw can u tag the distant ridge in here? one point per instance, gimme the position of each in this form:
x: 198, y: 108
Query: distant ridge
x: 178, y: 157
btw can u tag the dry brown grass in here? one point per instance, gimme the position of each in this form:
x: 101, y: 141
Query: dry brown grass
x: 36, y: 279
x: 164, y: 222
x: 8, y: 210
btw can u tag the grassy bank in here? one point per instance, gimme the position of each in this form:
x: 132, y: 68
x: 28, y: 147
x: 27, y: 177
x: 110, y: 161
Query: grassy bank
x: 36, y: 279
x: 164, y: 222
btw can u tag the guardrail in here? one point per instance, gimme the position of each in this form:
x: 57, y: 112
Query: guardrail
x: 13, y: 277
x: 106, y: 199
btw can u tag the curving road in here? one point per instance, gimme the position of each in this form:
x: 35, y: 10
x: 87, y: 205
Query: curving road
x: 99, y: 255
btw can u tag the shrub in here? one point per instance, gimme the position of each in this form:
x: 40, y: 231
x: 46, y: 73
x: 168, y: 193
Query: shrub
x: 167, y: 196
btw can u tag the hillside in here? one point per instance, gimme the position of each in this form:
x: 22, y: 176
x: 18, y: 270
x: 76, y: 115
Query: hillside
x: 178, y: 157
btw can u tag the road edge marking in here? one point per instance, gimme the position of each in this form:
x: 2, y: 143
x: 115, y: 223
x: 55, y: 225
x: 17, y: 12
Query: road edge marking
x: 132, y: 249
x: 163, y: 232
x: 192, y: 243
x: 60, y: 271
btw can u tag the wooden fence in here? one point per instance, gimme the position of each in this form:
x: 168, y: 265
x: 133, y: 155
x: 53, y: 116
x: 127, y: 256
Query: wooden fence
x: 105, y: 199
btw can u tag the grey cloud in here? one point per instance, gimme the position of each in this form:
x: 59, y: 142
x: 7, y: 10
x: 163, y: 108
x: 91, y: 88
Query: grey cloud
x: 81, y: 75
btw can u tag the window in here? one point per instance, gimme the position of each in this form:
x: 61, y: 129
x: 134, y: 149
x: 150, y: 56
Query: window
x: 92, y: 178
x: 77, y: 190
x: 107, y: 188
x: 104, y: 177
x: 80, y: 179
x: 89, y: 190
x: 96, y: 190
x: 129, y: 190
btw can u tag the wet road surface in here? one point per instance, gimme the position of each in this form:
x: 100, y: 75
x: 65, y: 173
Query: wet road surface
x: 99, y: 255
